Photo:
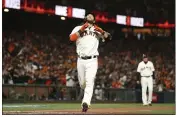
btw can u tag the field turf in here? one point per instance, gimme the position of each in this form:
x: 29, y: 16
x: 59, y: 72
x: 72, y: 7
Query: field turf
x: 75, y: 108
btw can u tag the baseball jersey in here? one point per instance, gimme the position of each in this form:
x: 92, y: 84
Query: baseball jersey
x: 145, y: 69
x: 87, y: 43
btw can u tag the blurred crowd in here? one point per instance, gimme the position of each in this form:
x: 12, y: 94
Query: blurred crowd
x: 33, y: 58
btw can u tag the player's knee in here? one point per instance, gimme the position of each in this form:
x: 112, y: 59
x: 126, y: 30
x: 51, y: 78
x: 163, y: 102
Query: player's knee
x: 143, y: 90
x: 82, y: 85
x: 150, y: 90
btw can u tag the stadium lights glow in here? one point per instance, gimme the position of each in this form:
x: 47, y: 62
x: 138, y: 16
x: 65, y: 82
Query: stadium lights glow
x: 63, y: 18
x: 6, y: 10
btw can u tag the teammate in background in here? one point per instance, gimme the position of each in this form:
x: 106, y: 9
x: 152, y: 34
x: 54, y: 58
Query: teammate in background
x: 87, y: 40
x: 146, y: 72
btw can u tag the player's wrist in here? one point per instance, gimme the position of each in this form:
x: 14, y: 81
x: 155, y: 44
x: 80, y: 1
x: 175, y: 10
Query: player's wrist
x: 80, y: 32
x: 101, y: 31
x: 82, y: 29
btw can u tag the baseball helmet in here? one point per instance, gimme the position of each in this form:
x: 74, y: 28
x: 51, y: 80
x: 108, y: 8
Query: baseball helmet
x: 145, y: 56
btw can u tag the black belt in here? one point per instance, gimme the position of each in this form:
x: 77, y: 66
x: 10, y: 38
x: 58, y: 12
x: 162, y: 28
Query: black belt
x: 87, y: 57
x: 145, y: 76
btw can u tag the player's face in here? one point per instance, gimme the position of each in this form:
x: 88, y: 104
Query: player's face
x: 145, y: 59
x: 90, y: 17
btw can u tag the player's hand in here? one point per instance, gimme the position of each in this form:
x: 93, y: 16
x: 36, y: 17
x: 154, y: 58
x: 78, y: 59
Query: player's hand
x: 107, y: 35
x: 84, y: 27
x: 98, y: 29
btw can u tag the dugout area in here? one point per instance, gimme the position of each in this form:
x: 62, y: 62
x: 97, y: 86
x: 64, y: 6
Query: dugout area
x: 96, y: 108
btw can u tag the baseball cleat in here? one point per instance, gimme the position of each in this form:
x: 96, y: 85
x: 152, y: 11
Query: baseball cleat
x: 150, y: 104
x: 145, y: 104
x: 84, y: 107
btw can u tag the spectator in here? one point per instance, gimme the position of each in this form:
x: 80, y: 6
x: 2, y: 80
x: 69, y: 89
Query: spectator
x: 99, y: 93
x: 70, y: 81
x: 10, y: 81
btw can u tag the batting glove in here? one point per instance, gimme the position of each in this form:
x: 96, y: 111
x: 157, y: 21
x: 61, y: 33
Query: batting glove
x: 98, y: 29
x: 84, y: 27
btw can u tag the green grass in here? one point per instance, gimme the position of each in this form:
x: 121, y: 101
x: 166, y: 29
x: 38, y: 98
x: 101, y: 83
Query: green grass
x: 163, y: 112
x: 126, y: 105
x: 65, y: 106
x: 39, y: 106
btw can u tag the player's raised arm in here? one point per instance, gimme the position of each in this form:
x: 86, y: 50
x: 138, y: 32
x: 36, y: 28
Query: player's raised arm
x: 75, y: 34
x: 105, y: 34
x: 74, y: 37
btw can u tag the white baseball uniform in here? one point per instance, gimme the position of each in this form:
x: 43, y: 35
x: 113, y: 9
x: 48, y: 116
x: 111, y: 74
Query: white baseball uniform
x: 87, y: 45
x: 146, y: 72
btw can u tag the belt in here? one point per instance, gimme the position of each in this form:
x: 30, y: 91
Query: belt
x: 145, y: 76
x: 87, y: 57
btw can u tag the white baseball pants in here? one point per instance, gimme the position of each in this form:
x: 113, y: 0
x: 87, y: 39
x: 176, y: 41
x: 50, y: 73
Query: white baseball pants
x: 87, y: 70
x: 147, y: 82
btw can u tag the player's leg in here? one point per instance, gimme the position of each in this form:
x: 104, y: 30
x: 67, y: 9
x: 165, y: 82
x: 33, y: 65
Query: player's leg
x: 81, y: 73
x: 81, y: 94
x: 91, y: 70
x: 144, y: 90
x: 150, y: 89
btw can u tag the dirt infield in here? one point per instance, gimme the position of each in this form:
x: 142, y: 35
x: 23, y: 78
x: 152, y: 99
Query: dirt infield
x: 112, y: 111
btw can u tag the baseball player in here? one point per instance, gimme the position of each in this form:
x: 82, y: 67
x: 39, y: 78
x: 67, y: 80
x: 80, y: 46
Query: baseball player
x: 146, y: 72
x: 87, y: 40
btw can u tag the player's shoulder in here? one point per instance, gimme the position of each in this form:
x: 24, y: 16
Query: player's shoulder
x: 141, y: 63
x: 77, y: 28
x: 150, y: 62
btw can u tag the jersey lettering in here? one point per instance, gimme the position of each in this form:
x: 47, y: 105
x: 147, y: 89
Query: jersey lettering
x: 85, y: 33
x: 147, y: 68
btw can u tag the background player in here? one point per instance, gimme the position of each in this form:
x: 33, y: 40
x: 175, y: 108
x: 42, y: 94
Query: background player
x: 87, y: 41
x: 146, y: 71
